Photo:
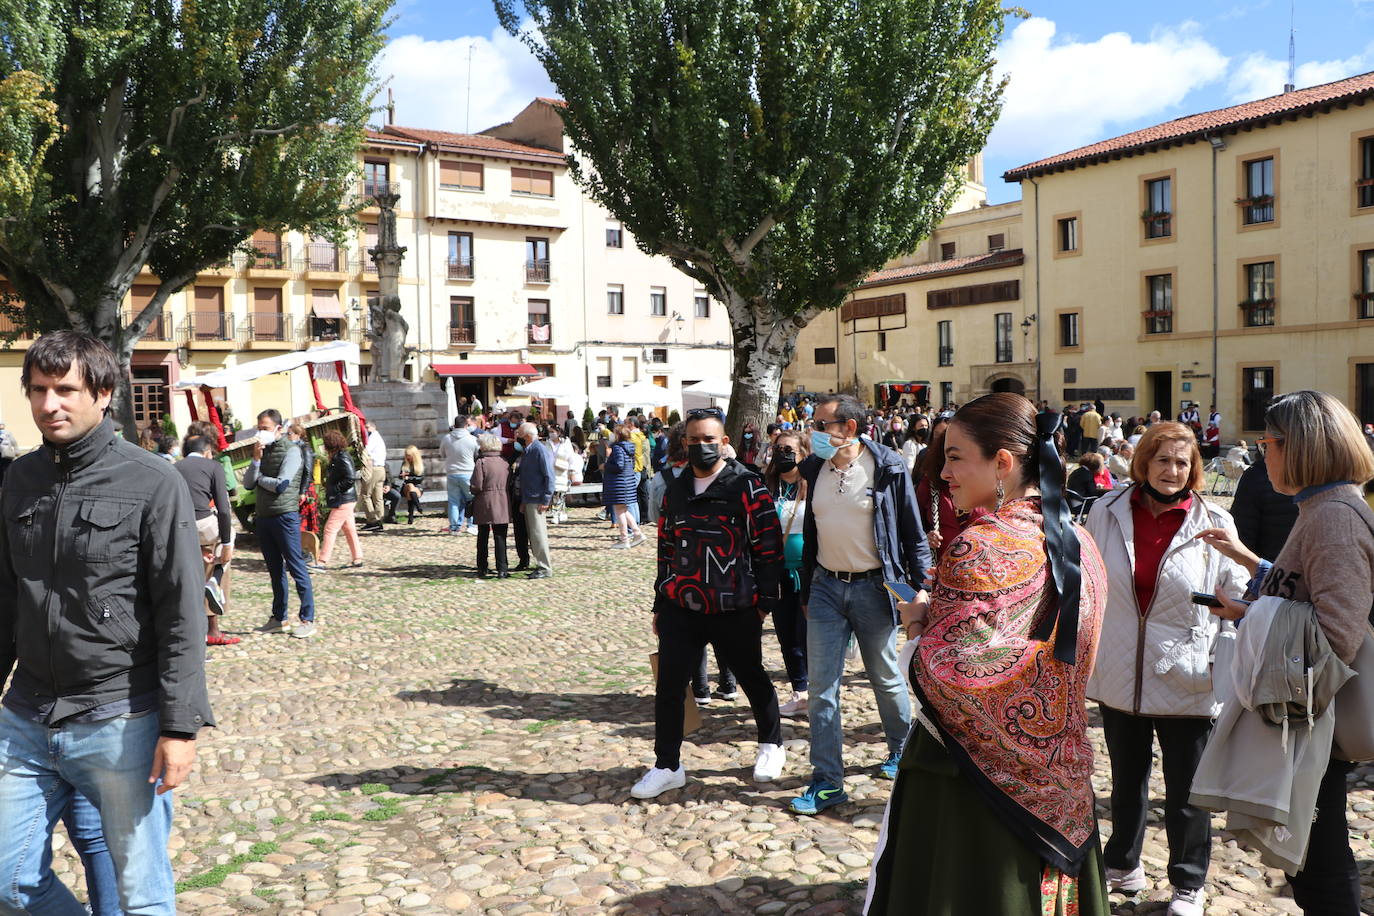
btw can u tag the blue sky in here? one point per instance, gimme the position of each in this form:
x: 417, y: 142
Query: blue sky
x: 1081, y: 71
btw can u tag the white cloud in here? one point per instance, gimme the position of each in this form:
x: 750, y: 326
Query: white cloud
x: 430, y: 80
x: 1067, y: 93
x: 1259, y: 76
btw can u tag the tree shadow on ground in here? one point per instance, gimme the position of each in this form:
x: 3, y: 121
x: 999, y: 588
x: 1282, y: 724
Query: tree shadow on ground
x: 728, y: 898
x: 425, y: 571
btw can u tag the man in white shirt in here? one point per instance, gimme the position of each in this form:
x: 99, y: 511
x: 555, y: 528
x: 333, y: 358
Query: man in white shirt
x: 373, y: 478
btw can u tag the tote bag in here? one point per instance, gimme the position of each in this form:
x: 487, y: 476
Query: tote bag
x: 1354, y: 738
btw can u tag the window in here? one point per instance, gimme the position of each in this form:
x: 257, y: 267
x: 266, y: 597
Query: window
x: 1364, y: 185
x: 615, y: 238
x: 703, y: 305
x: 946, y: 250
x: 370, y: 242
x: 267, y: 250
x: 460, y: 256
x: 658, y: 355
x: 615, y: 300
x: 658, y: 301
x: 322, y: 254
x: 536, y: 260
x: 531, y: 181
x: 977, y: 294
x: 603, y: 372
x: 882, y: 341
x: 1259, y: 297
x: 376, y: 177
x: 462, y: 328
x: 630, y: 367
x: 267, y: 321
x: 1068, y: 234
x: 1364, y: 392
x: 541, y: 332
x: 1068, y: 331
x: 1366, y: 293
x: 1002, y: 328
x: 1258, y: 391
x: 1159, y: 309
x: 945, y: 334
x: 873, y: 307
x: 946, y: 394
x: 208, y: 320
x: 825, y: 356
x: 1070, y: 378
x: 326, y: 316
x: 460, y: 176
x: 997, y: 242
x: 1159, y: 208
x: 1257, y: 206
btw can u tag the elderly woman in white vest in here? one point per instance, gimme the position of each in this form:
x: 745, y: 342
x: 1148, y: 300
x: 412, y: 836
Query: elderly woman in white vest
x: 1153, y: 672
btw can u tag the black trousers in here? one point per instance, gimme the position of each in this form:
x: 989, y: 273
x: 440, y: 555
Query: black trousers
x: 1188, y: 828
x: 701, y: 681
x: 522, y: 535
x: 1329, y: 884
x: 483, y: 532
x: 790, y: 624
x: 682, y: 635
x: 642, y: 495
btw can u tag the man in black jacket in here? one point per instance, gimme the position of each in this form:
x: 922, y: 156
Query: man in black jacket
x: 101, y: 620
x: 1263, y: 517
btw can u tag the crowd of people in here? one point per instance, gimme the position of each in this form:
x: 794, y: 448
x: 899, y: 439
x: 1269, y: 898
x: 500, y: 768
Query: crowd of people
x: 939, y: 548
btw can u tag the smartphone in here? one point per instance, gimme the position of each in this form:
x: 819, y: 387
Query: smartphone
x: 901, y: 591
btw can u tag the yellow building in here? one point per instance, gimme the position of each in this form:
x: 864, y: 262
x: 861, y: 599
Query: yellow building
x: 1218, y: 259
x: 510, y: 271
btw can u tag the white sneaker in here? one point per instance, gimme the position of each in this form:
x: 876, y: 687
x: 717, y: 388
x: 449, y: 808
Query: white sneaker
x: 1126, y: 880
x: 303, y: 630
x: 657, y: 781
x: 638, y: 539
x: 797, y: 706
x: 1187, y: 902
x: 771, y: 760
x: 620, y: 545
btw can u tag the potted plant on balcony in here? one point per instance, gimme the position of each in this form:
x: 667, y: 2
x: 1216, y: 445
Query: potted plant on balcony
x: 1259, y: 200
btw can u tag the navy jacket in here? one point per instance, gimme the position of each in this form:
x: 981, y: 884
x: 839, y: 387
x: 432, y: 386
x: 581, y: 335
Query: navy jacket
x: 620, y: 483
x: 536, y: 474
x: 1263, y: 516
x: 897, y: 526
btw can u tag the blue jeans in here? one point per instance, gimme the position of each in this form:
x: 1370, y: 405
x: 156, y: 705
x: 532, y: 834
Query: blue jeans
x: 837, y: 609
x: 279, y: 537
x: 88, y: 839
x: 459, y: 498
x: 108, y: 762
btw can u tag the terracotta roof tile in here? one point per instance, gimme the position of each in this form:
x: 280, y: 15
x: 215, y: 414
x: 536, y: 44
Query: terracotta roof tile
x: 479, y: 143
x: 993, y: 259
x: 556, y: 103
x: 1196, y: 126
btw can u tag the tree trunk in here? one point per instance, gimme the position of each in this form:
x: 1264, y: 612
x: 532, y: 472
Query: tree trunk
x: 764, y: 344
x: 122, y: 404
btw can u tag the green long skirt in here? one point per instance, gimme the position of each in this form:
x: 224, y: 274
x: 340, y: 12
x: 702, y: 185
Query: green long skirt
x: 948, y: 854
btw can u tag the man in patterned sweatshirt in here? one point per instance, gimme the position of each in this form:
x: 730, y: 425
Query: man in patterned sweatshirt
x: 719, y: 556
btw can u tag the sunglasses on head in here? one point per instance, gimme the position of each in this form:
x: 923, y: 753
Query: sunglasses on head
x: 699, y: 413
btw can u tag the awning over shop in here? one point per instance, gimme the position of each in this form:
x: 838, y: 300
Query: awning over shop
x: 484, y: 370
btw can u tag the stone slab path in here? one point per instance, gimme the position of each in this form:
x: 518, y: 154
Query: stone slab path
x: 452, y: 745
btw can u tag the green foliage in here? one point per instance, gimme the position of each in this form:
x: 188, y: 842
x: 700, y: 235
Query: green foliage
x: 163, y: 134
x: 169, y: 427
x: 588, y: 419
x: 674, y: 418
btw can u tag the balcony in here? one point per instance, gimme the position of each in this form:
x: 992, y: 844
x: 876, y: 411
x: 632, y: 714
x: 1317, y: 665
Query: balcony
x: 321, y: 258
x: 1364, y: 193
x: 160, y: 329
x: 540, y: 335
x: 461, y: 269
x: 537, y: 271
x: 1159, y: 321
x: 369, y: 265
x: 369, y: 189
x: 946, y: 356
x: 317, y: 329
x: 269, y: 327
x: 267, y: 254
x: 1256, y: 210
x: 462, y: 334
x: 1158, y: 224
x: 208, y: 328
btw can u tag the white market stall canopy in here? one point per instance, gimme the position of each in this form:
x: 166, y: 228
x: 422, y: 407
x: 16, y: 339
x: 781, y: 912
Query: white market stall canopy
x: 322, y: 357
x: 550, y: 387
x: 637, y: 394
x: 710, y: 388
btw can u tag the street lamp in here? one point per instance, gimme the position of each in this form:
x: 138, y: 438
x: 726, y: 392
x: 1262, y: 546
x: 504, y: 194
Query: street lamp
x: 1026, y: 324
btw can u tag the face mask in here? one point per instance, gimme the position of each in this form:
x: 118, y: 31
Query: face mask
x: 820, y: 445
x: 786, y: 462
x: 519, y: 446
x: 748, y: 436
x: 266, y: 437
x: 704, y: 456
x: 1159, y: 497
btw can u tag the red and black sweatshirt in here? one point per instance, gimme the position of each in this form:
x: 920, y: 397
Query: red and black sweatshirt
x: 719, y: 552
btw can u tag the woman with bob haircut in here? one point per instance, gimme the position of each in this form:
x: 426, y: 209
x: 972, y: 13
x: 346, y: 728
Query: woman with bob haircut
x: 992, y: 811
x: 1153, y: 675
x: 1316, y: 452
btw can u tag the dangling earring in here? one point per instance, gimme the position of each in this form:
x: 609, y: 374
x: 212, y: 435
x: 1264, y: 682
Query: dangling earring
x: 1001, y: 496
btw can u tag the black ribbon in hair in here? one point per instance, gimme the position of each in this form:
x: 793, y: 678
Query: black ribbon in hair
x: 1061, y: 542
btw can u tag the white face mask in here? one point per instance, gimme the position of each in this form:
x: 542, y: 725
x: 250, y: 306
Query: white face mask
x: 266, y: 437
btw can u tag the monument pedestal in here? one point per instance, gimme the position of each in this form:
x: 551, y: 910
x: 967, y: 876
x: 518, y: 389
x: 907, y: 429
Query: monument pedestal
x: 407, y: 413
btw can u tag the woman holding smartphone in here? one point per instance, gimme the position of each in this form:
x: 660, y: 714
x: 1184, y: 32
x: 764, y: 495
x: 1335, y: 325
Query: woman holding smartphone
x: 788, y: 489
x: 1153, y: 675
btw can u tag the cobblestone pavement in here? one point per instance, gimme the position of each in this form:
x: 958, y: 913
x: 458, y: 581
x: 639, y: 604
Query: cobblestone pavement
x: 452, y: 745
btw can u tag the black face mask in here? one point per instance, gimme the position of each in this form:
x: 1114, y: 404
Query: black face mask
x: 704, y: 456
x: 785, y: 462
x: 1159, y: 497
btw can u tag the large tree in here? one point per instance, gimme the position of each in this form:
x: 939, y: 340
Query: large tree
x: 778, y: 151
x: 163, y: 133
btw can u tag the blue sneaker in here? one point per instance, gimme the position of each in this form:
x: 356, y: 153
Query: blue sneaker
x: 888, y: 768
x: 817, y: 797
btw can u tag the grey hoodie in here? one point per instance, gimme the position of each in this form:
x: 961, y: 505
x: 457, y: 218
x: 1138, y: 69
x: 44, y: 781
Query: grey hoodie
x: 459, y: 451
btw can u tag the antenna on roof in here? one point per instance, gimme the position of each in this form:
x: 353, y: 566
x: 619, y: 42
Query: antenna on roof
x: 1292, y: 83
x: 390, y: 108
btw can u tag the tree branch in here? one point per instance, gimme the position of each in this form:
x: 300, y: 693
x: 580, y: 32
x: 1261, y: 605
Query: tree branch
x: 256, y: 132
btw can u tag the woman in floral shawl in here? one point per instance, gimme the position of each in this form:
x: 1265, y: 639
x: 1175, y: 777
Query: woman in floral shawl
x: 993, y: 807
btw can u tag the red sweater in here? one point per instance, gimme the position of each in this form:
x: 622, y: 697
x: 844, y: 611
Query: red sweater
x: 1152, y: 539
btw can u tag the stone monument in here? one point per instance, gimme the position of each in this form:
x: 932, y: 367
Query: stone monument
x: 406, y: 413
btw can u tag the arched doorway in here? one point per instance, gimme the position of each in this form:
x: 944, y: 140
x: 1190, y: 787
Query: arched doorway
x: 1010, y: 383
